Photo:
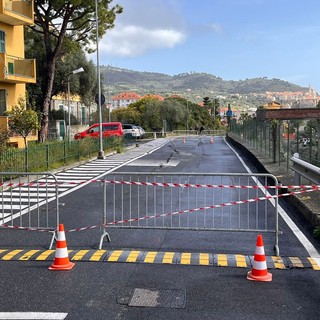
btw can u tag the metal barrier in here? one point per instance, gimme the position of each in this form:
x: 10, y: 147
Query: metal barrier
x: 208, y: 132
x: 214, y: 132
x: 202, y: 201
x: 304, y: 169
x: 22, y: 195
x: 184, y: 132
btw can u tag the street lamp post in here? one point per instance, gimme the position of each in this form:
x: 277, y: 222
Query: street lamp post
x: 69, y: 113
x: 100, y: 153
x: 187, y: 115
x: 188, y: 90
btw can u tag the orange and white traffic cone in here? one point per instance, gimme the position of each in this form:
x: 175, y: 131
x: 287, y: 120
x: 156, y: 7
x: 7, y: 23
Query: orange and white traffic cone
x: 259, y: 270
x: 61, y: 259
x: 211, y: 140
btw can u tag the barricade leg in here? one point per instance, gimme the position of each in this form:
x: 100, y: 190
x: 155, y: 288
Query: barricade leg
x: 104, y: 234
x: 53, y: 238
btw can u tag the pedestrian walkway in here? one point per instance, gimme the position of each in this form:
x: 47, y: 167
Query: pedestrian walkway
x: 80, y: 175
x: 17, y: 196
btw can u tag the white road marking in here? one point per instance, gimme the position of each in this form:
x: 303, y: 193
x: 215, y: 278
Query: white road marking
x: 32, y: 315
x: 294, y: 228
x: 43, y: 195
x: 154, y: 163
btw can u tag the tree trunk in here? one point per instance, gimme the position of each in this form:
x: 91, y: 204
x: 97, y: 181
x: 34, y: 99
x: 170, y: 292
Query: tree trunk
x: 47, y: 99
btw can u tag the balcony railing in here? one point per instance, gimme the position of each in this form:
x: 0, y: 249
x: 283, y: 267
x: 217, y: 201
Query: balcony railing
x: 17, y: 70
x: 16, y: 12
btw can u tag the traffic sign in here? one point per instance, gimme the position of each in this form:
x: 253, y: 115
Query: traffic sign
x: 103, y: 99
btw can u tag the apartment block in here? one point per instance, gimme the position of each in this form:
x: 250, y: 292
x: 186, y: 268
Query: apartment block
x: 15, y: 70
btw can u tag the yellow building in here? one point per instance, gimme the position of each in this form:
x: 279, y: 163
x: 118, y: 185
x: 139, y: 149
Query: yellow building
x: 15, y: 70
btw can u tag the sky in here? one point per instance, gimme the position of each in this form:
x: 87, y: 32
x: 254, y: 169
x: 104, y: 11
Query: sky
x: 231, y: 39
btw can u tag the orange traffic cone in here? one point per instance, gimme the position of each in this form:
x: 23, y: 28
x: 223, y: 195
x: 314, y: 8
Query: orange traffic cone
x: 61, y: 259
x: 211, y: 140
x: 259, y: 268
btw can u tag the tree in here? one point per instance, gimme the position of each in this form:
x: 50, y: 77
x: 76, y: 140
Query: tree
x: 64, y: 26
x: 174, y: 113
x: 127, y: 115
x: 22, y: 121
x: 206, y: 101
x: 215, y: 108
x: 84, y: 84
x: 4, y: 137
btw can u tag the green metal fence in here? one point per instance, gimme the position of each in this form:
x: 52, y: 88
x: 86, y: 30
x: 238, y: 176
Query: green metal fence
x: 279, y: 140
x: 44, y: 157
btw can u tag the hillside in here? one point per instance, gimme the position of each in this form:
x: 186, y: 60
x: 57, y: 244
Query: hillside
x: 118, y: 79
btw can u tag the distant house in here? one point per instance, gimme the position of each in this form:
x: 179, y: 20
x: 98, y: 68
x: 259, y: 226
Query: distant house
x: 58, y: 128
x: 272, y: 105
x: 154, y: 96
x: 124, y: 99
x: 77, y: 108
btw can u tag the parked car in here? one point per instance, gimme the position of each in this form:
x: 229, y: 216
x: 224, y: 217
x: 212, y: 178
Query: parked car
x: 142, y: 131
x: 108, y: 129
x: 131, y: 130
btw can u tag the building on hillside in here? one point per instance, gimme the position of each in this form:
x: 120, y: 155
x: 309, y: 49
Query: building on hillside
x: 272, y: 105
x: 153, y: 96
x: 124, y: 99
x: 176, y: 96
x: 16, y: 71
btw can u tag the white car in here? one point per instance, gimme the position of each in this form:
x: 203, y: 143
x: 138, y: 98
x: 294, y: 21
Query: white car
x: 131, y: 130
x: 142, y: 131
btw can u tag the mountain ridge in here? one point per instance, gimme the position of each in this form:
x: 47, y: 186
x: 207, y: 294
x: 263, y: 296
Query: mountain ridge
x: 121, y: 79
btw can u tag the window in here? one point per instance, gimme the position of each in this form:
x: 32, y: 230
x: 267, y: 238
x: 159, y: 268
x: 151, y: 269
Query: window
x: 2, y: 42
x: 10, y: 68
x: 110, y: 127
x: 3, y: 102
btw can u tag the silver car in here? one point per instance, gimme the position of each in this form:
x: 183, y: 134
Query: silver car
x: 142, y: 131
x: 131, y: 130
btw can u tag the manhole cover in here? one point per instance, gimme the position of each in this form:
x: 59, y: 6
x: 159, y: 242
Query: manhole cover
x: 158, y: 298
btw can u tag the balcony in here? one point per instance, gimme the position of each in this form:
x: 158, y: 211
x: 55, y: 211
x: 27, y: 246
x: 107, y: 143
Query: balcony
x: 17, y: 70
x: 16, y: 12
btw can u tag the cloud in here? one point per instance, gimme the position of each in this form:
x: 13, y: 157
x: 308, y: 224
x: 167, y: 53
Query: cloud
x: 133, y: 40
x: 216, y: 28
x: 145, y: 26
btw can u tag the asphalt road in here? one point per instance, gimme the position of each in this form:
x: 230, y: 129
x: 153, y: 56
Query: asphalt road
x: 133, y: 287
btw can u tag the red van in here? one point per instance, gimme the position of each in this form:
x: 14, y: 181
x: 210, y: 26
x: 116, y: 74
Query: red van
x: 108, y: 129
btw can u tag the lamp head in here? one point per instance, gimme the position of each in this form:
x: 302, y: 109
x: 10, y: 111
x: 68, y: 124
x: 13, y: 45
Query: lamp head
x: 78, y: 70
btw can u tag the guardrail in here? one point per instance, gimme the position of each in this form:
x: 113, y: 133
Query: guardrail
x: 304, y: 169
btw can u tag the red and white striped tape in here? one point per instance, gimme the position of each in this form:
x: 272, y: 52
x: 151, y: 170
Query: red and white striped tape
x: 168, y: 214
x: 158, y: 184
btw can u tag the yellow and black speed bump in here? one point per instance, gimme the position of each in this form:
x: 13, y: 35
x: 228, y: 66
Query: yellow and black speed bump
x: 164, y: 257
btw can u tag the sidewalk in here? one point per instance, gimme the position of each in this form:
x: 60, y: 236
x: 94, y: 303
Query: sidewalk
x: 308, y: 204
